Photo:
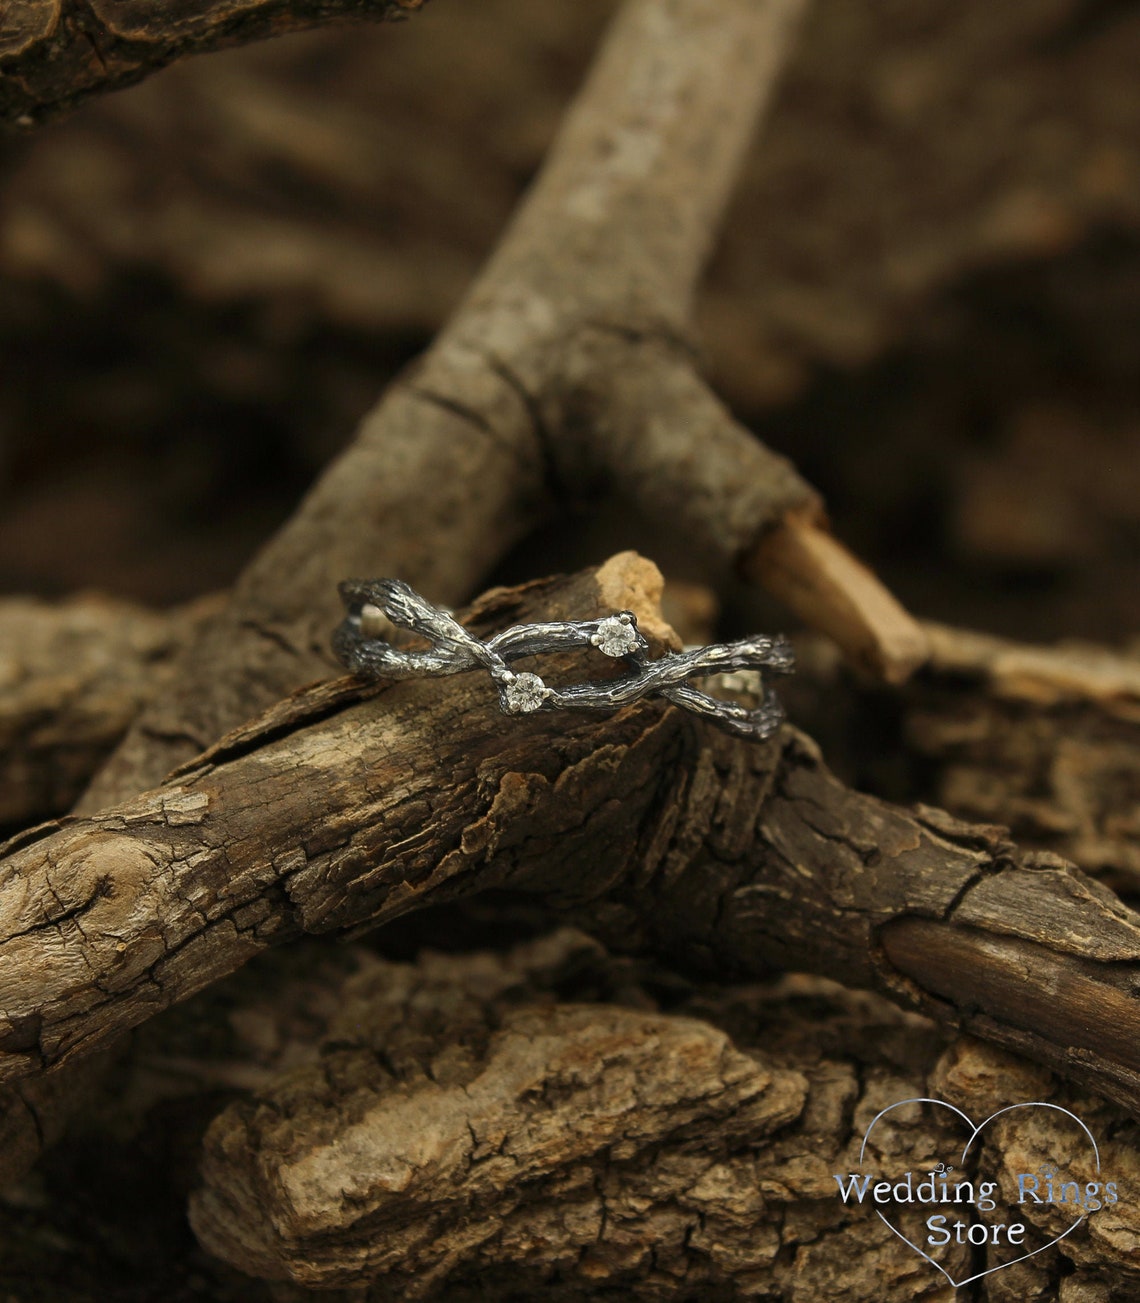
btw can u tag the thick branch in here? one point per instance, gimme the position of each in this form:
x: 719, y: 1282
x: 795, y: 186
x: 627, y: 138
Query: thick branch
x: 618, y: 225
x: 338, y: 812
x: 668, y: 110
x: 641, y: 414
x: 55, y: 53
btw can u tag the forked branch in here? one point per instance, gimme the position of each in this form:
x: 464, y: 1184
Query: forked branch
x: 571, y: 331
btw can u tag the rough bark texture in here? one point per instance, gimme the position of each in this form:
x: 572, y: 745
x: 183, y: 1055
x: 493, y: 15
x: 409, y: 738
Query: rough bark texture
x: 602, y: 1086
x: 662, y: 837
x: 461, y: 1120
x: 55, y: 53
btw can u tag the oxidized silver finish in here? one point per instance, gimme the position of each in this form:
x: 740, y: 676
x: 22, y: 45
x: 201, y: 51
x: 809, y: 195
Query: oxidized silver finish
x: 358, y: 645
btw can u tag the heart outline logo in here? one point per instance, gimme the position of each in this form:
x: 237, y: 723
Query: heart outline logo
x: 975, y: 1131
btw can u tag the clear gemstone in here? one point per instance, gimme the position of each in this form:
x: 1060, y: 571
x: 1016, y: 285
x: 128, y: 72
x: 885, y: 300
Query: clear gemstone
x: 524, y: 693
x: 615, y: 636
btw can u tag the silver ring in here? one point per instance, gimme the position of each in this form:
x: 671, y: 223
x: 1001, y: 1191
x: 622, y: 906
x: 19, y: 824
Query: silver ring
x: 359, y: 645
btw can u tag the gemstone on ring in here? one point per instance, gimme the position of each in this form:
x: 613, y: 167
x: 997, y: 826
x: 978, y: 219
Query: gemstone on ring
x: 524, y: 693
x: 616, y: 635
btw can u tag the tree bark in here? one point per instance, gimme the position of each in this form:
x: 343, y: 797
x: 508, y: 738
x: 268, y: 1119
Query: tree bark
x: 459, y: 1121
x: 56, y: 53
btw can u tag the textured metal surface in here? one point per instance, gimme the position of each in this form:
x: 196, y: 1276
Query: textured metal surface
x: 359, y: 645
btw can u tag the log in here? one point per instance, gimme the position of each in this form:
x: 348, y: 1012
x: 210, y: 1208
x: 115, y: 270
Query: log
x: 461, y: 1121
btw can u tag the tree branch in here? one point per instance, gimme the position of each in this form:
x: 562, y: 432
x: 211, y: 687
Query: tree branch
x: 56, y: 53
x: 659, y: 836
x: 455, y: 465
x: 650, y: 426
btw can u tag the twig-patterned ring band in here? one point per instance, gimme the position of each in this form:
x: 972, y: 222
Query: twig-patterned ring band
x: 360, y: 646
